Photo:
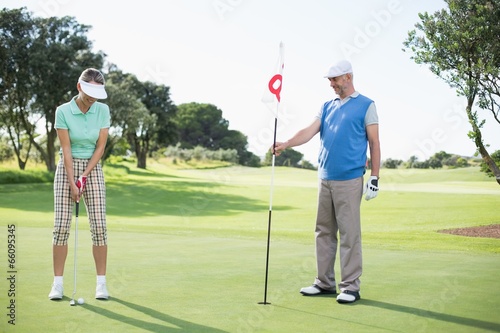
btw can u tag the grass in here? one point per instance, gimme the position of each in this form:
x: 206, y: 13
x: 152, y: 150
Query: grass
x: 187, y: 254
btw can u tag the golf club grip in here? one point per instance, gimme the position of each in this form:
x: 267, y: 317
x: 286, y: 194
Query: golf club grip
x: 77, y: 208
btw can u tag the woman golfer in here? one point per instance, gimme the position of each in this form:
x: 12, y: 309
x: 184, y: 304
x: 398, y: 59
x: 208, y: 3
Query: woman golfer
x: 82, y: 127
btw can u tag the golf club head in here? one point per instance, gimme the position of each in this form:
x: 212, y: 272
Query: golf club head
x: 72, y: 302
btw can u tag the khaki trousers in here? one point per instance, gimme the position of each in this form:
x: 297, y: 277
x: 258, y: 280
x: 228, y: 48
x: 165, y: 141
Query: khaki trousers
x: 339, y: 213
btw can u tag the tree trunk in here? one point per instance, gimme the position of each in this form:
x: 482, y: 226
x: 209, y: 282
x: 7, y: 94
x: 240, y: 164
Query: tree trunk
x: 51, y: 149
x: 142, y: 154
x: 112, y: 141
x: 478, y: 140
x: 141, y: 151
x: 17, y: 149
x: 22, y: 164
x: 48, y: 154
x: 141, y: 160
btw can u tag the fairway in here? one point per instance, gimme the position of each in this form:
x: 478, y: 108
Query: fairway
x: 187, y: 254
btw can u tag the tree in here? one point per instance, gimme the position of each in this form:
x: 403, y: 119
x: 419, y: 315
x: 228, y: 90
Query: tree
x: 461, y: 45
x: 442, y: 155
x: 16, y: 39
x: 392, y: 164
x: 307, y: 165
x: 60, y: 52
x: 456, y: 161
x: 41, y: 60
x: 6, y: 152
x: 249, y: 159
x: 288, y: 157
x: 156, y: 98
x: 484, y: 168
x: 462, y: 162
x: 129, y: 117
x: 201, y: 125
x: 411, y: 162
x: 122, y: 100
x: 434, y: 163
x: 154, y: 124
x: 238, y: 141
x: 142, y: 112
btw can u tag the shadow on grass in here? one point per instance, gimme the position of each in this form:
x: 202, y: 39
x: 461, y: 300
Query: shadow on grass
x: 172, y: 324
x: 475, y: 323
x: 177, y: 198
x: 314, y: 314
x: 145, y: 198
x: 110, y: 170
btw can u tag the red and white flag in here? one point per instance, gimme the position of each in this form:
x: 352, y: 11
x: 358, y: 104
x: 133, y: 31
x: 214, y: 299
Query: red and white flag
x: 272, y: 95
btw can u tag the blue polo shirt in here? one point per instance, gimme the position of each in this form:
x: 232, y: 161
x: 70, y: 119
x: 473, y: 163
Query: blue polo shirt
x: 343, y: 138
x: 83, y: 128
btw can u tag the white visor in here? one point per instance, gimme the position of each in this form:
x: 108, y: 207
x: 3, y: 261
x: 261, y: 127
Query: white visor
x: 94, y: 90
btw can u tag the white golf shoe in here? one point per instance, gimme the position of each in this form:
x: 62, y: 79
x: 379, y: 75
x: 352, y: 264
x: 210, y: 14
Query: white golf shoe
x: 101, y: 292
x: 316, y: 290
x: 56, y: 292
x: 348, y: 296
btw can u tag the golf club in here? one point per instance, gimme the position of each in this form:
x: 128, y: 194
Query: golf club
x: 72, y: 302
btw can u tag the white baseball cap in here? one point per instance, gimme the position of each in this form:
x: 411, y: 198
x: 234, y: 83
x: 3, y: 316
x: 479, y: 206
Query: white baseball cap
x: 95, y: 90
x: 340, y: 68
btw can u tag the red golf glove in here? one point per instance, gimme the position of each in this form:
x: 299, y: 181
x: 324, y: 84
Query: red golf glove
x: 80, y: 183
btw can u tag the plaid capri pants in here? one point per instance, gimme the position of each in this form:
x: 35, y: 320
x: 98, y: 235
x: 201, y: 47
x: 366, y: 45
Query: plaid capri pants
x: 94, y: 196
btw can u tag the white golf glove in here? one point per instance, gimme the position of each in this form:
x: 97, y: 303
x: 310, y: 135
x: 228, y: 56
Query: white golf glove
x: 371, y: 188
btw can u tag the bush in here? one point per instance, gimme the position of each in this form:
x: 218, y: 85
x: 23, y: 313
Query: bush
x: 307, y: 165
x: 200, y: 153
x: 6, y: 151
x: 392, y: 164
x: 484, y: 167
x: 24, y: 176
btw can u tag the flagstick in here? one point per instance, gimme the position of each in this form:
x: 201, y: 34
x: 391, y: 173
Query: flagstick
x: 270, y: 211
x: 276, y: 92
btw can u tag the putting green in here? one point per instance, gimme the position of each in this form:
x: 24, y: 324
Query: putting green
x: 187, y: 254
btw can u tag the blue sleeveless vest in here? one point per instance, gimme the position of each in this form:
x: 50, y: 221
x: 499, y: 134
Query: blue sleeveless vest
x: 343, y: 140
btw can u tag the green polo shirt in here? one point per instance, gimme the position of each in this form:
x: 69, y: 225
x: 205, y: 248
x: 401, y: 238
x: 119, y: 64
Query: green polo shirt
x: 83, y: 128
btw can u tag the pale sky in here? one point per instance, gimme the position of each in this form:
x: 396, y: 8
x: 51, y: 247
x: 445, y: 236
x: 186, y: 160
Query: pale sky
x: 224, y: 52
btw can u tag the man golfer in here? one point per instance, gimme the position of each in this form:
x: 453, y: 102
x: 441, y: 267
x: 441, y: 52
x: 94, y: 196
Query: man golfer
x: 347, y: 125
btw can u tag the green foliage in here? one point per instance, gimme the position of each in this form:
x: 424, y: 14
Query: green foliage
x: 392, y: 164
x: 6, y: 152
x: 461, y: 45
x: 10, y: 176
x: 421, y: 165
x: 41, y: 59
x: 436, y: 161
x: 116, y: 146
x: 249, y: 159
x: 485, y: 168
x: 307, y: 165
x: 202, y: 125
x: 141, y: 112
x: 290, y: 158
x: 156, y: 98
x: 456, y: 161
x: 200, y: 153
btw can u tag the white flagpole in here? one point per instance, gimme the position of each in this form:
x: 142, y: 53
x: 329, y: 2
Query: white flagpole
x: 276, y: 90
